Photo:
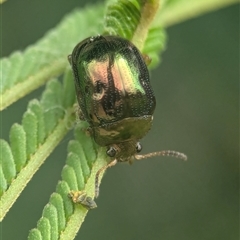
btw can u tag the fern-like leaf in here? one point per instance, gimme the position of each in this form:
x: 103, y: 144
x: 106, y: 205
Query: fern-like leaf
x: 44, y: 124
x: 122, y: 18
x: 84, y: 157
x: 46, y: 121
x: 131, y: 20
x: 154, y: 45
x: 61, y: 216
x: 23, y: 72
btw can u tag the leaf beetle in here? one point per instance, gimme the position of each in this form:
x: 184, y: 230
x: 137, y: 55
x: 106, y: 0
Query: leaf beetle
x: 115, y: 97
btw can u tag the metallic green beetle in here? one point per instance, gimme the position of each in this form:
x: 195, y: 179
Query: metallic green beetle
x: 115, y: 96
x: 114, y: 93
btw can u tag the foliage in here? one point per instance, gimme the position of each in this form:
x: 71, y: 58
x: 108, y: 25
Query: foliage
x: 46, y: 122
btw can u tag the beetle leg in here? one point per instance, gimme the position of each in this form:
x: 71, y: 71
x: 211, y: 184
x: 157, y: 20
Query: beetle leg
x: 146, y: 59
x: 82, y: 198
x: 79, y: 112
x: 70, y: 59
x: 111, y: 164
x: 87, y: 131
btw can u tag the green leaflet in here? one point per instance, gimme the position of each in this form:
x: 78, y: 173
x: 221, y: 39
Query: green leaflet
x: 62, y: 214
x: 44, y: 124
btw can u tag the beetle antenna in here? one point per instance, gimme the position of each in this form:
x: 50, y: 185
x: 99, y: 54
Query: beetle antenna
x: 111, y: 164
x: 168, y: 153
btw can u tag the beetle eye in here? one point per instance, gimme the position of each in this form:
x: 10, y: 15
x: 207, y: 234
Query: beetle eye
x: 111, y: 152
x: 138, y: 147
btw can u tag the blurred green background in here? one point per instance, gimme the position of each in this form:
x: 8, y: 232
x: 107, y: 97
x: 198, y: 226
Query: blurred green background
x: 197, y: 91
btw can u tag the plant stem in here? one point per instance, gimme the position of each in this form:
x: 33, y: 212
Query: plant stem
x: 76, y: 220
x: 148, y: 12
x: 184, y: 9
